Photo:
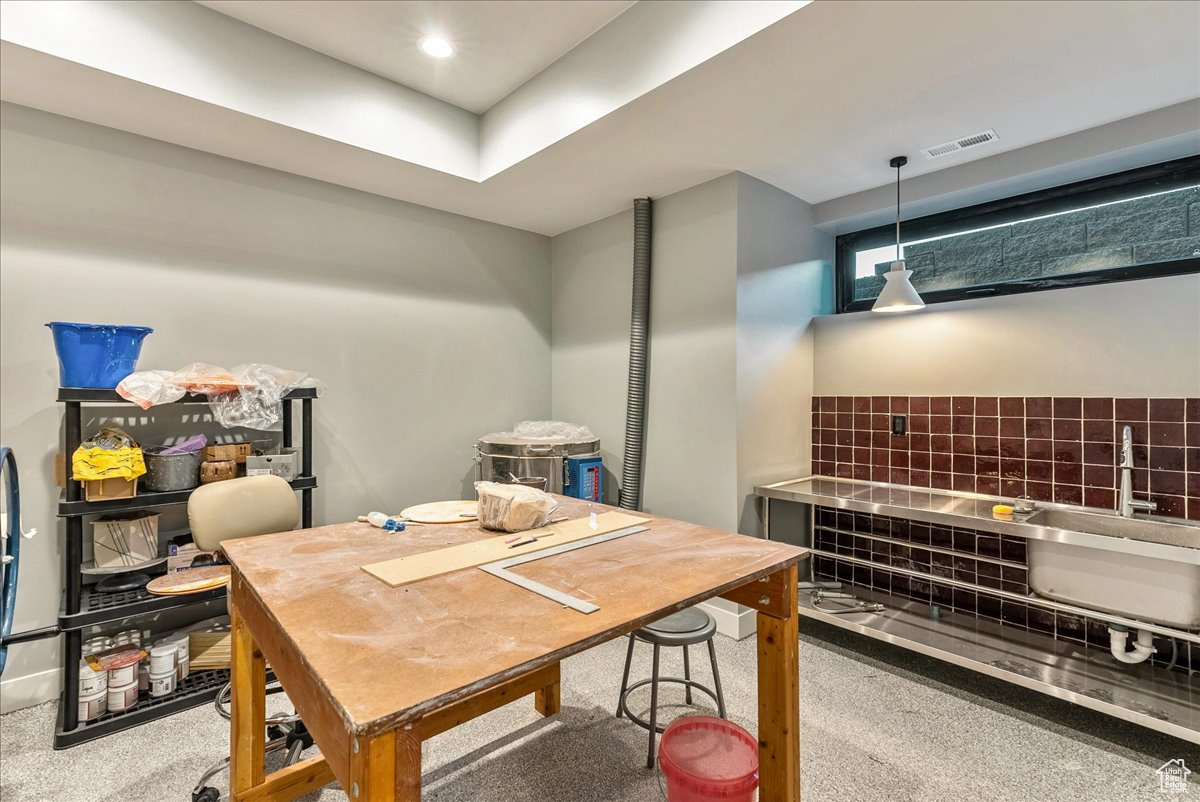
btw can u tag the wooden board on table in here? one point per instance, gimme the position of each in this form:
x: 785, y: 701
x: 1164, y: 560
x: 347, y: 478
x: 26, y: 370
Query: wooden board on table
x: 405, y: 570
x: 442, y: 512
x: 192, y: 580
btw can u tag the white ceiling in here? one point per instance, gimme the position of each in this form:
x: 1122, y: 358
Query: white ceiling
x: 814, y: 103
x: 500, y: 45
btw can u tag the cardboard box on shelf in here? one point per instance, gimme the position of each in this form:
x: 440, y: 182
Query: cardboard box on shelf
x: 285, y: 464
x: 217, y: 471
x: 185, y: 555
x: 127, y: 540
x: 109, y: 489
x: 228, y: 452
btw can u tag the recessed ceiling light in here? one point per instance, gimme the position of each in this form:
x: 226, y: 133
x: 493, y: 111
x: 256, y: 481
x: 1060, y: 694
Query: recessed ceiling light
x: 436, y: 47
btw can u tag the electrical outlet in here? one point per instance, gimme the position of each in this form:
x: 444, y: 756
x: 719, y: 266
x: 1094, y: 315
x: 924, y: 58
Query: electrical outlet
x: 900, y: 425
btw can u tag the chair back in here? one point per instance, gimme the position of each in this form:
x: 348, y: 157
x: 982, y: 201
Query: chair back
x: 252, y: 505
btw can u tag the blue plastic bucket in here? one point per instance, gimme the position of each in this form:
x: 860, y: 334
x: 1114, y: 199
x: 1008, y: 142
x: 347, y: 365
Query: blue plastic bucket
x: 95, y: 355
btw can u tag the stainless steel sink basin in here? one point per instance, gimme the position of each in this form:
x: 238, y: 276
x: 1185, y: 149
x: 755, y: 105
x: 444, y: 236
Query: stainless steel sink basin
x: 1150, y: 530
x: 1133, y: 585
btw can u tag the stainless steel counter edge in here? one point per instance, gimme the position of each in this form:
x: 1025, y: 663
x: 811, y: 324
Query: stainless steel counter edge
x: 896, y: 506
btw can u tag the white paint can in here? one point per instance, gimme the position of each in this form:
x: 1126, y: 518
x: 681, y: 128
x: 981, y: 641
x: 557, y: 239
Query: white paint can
x: 143, y: 676
x: 91, y: 682
x: 180, y: 639
x: 162, y: 684
x: 163, y: 657
x: 122, y: 697
x: 97, y: 644
x: 182, y: 668
x: 93, y: 705
x: 123, y: 675
x: 129, y: 636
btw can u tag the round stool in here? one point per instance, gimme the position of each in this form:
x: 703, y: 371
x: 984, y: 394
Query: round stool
x: 685, y: 628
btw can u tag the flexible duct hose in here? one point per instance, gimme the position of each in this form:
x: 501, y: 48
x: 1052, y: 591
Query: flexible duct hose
x: 8, y: 588
x: 639, y: 356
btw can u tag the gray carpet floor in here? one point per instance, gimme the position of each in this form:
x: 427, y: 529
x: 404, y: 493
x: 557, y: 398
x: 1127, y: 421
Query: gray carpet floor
x: 878, y: 723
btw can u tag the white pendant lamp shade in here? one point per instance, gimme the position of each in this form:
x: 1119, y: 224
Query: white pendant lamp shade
x: 898, y: 294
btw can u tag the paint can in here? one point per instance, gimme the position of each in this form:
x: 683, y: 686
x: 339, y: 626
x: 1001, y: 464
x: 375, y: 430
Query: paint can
x: 122, y: 697
x: 181, y: 669
x: 97, y: 644
x: 162, y: 684
x: 93, y: 705
x: 129, y: 637
x: 90, y: 681
x: 162, y: 657
x: 143, y: 677
x: 123, y: 675
x: 182, y: 655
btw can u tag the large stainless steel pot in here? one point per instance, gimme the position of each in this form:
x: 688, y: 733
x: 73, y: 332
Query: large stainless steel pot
x: 498, y: 455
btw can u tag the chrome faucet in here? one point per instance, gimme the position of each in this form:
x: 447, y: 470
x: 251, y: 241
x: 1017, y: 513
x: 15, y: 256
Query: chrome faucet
x: 1127, y: 504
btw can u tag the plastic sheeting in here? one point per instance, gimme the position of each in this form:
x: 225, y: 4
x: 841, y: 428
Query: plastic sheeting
x: 248, y: 396
x: 549, y: 430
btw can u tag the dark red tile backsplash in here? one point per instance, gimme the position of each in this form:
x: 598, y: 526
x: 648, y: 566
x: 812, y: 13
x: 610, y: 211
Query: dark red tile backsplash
x: 1053, y: 449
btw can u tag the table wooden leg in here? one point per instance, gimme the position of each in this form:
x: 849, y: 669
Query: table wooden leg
x: 779, y: 700
x: 248, y: 708
x: 408, y: 766
x: 547, y: 699
x: 386, y: 768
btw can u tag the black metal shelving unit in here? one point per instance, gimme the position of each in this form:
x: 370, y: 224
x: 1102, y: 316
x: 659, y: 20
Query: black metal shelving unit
x: 83, y: 607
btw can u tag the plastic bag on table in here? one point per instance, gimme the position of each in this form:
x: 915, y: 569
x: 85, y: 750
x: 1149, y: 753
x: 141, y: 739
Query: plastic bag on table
x: 513, y: 508
x: 551, y: 430
x: 148, y: 388
x: 256, y: 402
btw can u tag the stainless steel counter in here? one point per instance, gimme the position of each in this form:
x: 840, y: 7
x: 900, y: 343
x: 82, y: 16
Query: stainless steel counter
x: 1177, y: 541
x: 1143, y: 694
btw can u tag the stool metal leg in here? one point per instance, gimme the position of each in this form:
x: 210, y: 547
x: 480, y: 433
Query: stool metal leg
x: 653, y: 709
x: 625, y: 676
x: 687, y: 675
x: 712, y: 656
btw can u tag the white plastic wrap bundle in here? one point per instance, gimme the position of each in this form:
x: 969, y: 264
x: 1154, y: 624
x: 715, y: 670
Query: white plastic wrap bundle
x: 513, y: 508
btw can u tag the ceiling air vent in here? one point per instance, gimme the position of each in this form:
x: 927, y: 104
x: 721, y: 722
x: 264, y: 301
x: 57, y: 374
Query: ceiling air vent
x: 962, y: 143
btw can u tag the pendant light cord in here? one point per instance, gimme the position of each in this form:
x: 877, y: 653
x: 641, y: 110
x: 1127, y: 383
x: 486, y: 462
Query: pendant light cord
x: 897, y: 212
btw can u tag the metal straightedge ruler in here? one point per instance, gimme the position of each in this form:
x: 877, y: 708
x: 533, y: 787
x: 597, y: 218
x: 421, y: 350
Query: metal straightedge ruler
x: 500, y: 568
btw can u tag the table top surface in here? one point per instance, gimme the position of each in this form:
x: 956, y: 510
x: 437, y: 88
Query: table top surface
x: 386, y: 656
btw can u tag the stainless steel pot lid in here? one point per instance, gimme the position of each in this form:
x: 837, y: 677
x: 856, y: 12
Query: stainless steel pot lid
x: 501, y: 445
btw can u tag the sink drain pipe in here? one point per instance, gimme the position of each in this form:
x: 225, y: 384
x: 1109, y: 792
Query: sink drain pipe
x: 639, y: 357
x: 1118, y: 638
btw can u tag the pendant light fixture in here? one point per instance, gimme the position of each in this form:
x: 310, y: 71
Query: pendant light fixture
x: 898, y: 293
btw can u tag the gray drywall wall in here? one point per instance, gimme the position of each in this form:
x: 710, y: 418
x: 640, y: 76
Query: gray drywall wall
x: 1134, y: 338
x: 784, y: 280
x: 690, y: 452
x: 738, y: 272
x: 430, y: 329
x: 691, y: 443
x: 591, y: 290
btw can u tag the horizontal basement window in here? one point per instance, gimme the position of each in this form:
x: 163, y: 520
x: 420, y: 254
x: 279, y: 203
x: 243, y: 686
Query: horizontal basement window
x: 1137, y: 224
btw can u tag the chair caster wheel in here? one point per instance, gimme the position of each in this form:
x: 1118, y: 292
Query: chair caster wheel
x: 207, y: 794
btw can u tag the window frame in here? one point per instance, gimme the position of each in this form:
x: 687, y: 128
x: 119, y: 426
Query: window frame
x: 1068, y: 197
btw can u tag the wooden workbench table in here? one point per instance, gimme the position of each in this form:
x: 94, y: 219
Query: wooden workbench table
x: 374, y: 670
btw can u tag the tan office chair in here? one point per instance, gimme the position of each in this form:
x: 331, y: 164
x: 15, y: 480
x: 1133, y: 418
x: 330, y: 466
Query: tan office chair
x: 254, y: 505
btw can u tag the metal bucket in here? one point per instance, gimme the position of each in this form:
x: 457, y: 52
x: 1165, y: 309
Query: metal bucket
x: 170, y: 471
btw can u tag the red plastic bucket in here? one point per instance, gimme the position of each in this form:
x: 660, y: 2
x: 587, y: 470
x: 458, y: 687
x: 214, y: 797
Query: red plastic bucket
x: 708, y: 759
